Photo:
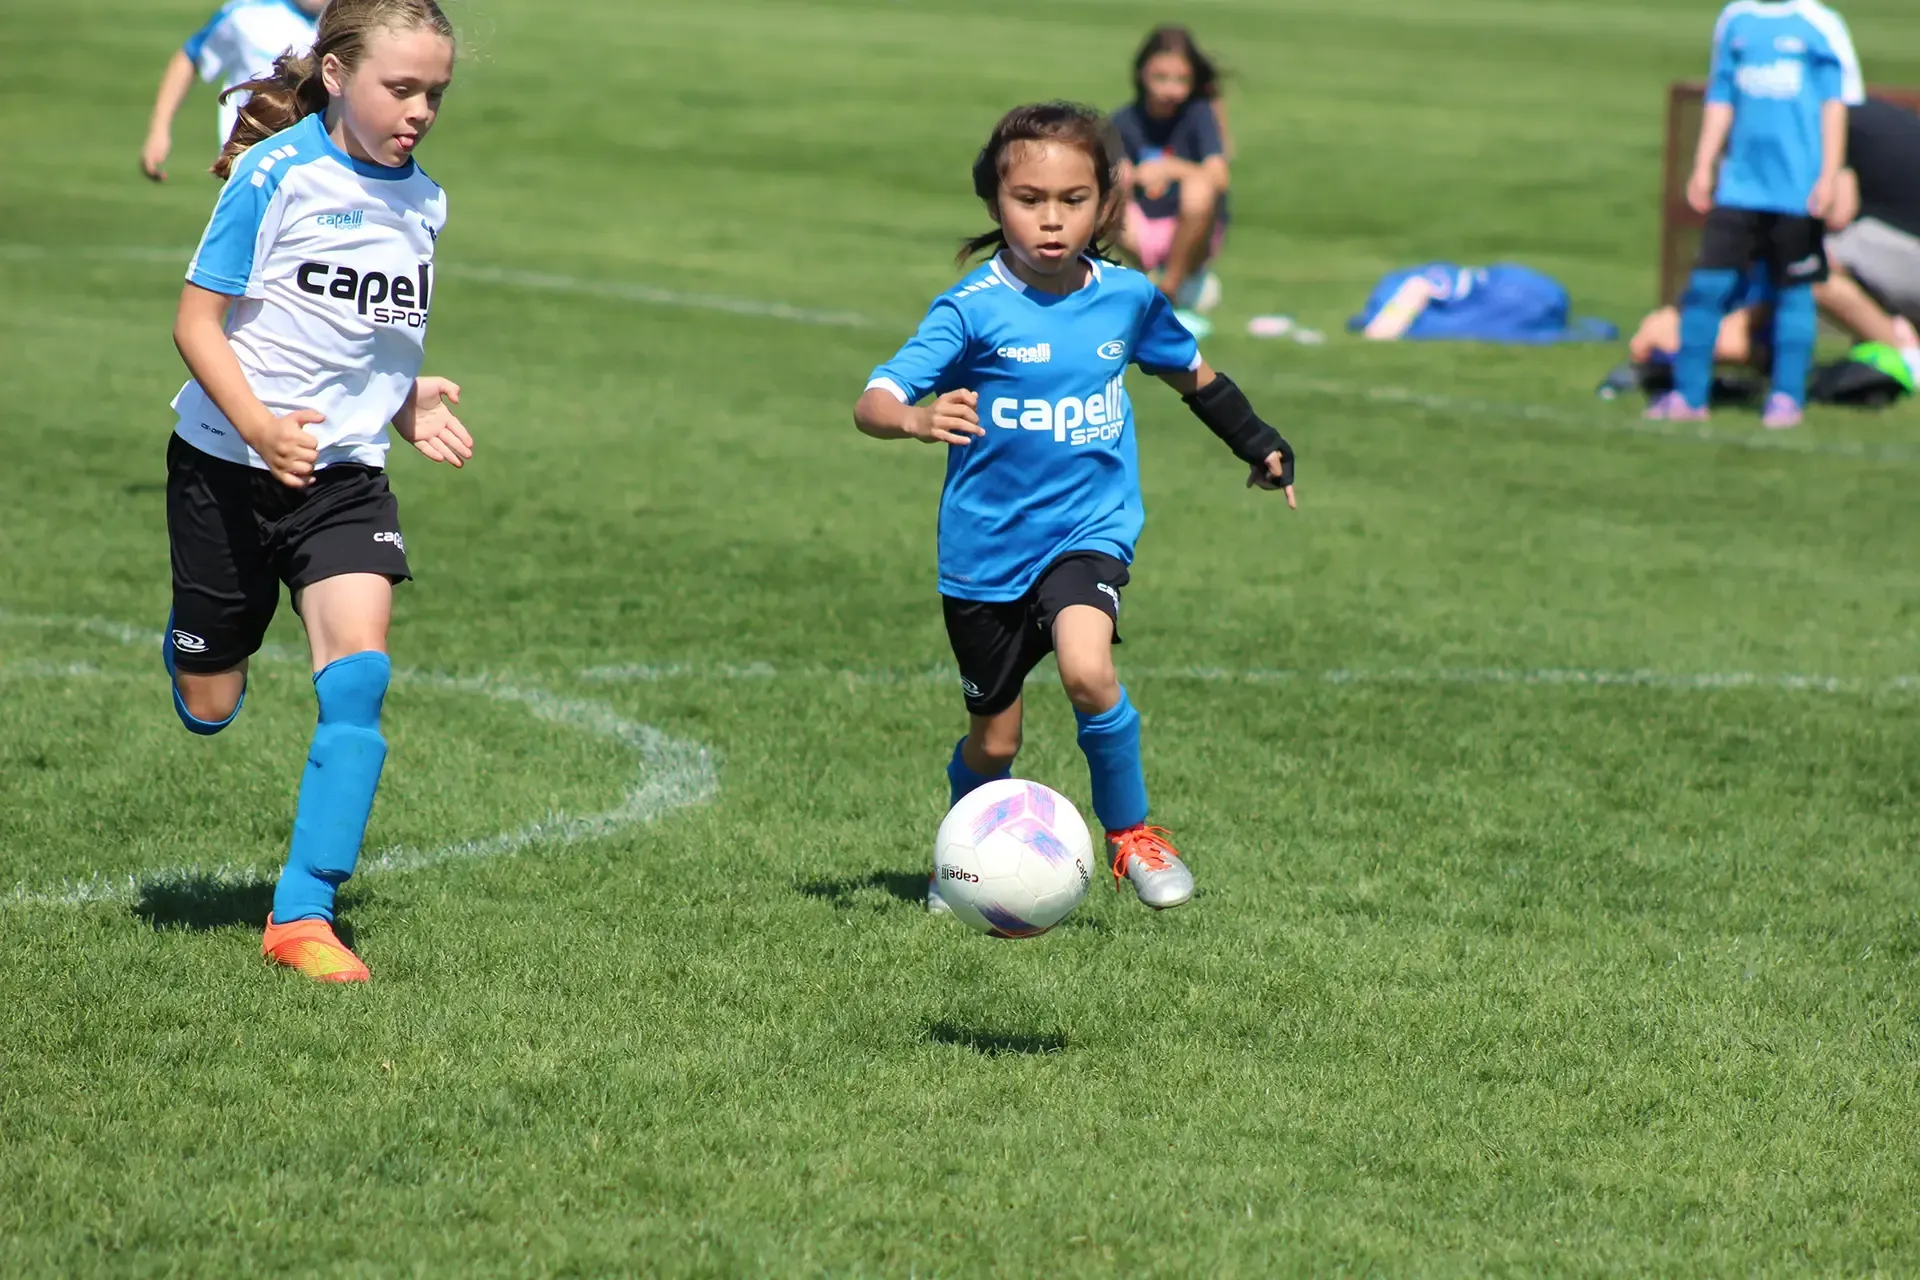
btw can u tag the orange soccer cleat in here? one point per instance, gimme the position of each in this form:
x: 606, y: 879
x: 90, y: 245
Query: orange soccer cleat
x: 311, y: 947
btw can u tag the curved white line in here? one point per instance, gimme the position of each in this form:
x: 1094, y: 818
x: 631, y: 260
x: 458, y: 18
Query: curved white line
x: 672, y: 773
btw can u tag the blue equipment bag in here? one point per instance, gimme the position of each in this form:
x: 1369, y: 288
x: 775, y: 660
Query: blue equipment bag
x: 1501, y: 303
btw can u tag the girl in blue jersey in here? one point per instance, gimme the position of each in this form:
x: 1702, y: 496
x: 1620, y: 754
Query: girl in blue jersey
x: 303, y: 322
x: 1025, y: 361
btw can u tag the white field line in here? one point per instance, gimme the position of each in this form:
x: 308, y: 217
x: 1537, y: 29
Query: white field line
x: 1800, y: 443
x: 671, y: 774
x: 1574, y: 677
x: 652, y: 295
x: 1617, y: 424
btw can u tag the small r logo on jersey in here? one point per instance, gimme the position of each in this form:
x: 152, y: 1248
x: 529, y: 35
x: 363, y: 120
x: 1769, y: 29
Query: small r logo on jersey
x: 394, y: 538
x: 1110, y: 593
x: 187, y: 642
x: 1113, y: 351
x: 433, y: 232
x: 969, y: 688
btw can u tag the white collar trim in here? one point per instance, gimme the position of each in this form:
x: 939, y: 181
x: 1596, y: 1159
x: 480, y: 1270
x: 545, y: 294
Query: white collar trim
x: 1018, y: 285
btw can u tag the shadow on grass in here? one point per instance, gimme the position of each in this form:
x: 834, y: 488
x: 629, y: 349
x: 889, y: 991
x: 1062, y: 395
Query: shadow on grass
x: 904, y: 886
x: 994, y: 1044
x: 201, y: 903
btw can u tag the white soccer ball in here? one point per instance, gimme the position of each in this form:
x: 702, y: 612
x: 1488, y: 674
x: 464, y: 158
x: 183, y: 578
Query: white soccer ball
x: 1012, y: 859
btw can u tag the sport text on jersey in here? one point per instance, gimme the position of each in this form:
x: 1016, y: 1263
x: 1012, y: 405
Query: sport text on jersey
x: 1073, y: 421
x: 406, y: 298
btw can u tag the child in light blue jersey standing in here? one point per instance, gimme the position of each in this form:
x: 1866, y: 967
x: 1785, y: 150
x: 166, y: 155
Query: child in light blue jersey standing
x: 1775, y: 108
x: 1026, y: 359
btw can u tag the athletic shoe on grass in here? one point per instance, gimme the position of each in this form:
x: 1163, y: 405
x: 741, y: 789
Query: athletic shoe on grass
x: 1145, y: 855
x: 311, y: 947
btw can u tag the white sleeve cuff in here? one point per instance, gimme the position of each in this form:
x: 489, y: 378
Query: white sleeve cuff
x: 892, y: 388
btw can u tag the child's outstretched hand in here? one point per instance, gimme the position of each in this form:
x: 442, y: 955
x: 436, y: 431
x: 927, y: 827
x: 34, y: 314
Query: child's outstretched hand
x: 1276, y: 474
x: 952, y: 419
x: 426, y: 423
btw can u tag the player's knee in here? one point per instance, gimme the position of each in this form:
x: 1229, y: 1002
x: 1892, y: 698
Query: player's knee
x: 1197, y: 196
x: 211, y: 703
x: 1711, y: 288
x: 1092, y: 685
x: 352, y: 689
x: 996, y: 745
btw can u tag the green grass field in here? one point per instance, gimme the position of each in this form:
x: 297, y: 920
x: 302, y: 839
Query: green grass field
x: 1551, y: 779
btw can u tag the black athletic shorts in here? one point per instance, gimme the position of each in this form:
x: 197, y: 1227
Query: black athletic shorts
x: 997, y: 644
x: 236, y: 534
x: 1793, y: 246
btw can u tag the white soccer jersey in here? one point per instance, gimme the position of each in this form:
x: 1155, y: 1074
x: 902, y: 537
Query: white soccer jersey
x: 331, y: 262
x: 240, y: 42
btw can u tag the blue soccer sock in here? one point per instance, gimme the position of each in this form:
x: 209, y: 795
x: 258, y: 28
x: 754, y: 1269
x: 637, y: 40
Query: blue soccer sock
x: 1702, y: 308
x: 1111, y: 741
x: 336, y: 791
x: 205, y: 728
x: 1796, y: 327
x: 962, y: 781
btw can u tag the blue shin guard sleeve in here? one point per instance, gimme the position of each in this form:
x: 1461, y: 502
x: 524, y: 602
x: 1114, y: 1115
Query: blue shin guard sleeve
x: 1702, y: 308
x: 1111, y: 741
x: 1796, y: 326
x: 963, y: 781
x: 336, y: 791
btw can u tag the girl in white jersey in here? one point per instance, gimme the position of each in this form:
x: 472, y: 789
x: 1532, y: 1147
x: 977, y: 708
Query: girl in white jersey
x: 302, y: 322
x: 238, y: 43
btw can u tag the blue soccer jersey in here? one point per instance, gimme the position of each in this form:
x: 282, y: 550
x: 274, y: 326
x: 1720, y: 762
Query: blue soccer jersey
x: 1776, y: 65
x: 1057, y: 470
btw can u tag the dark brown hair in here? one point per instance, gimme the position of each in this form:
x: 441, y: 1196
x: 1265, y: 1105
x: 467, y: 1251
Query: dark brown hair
x: 1176, y: 39
x: 294, y: 89
x: 1067, y: 123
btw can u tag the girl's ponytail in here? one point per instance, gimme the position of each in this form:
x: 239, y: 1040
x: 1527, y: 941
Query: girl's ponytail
x: 292, y: 91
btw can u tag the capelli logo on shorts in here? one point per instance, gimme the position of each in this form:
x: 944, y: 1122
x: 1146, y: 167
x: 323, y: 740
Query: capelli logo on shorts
x: 187, y: 642
x: 394, y: 538
x: 1113, y: 350
x: 1110, y: 593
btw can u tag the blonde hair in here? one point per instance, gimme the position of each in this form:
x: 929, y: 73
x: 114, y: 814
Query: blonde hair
x: 294, y: 88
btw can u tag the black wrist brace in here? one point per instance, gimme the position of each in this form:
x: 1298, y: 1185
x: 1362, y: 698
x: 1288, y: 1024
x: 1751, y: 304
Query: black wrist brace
x: 1224, y: 407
